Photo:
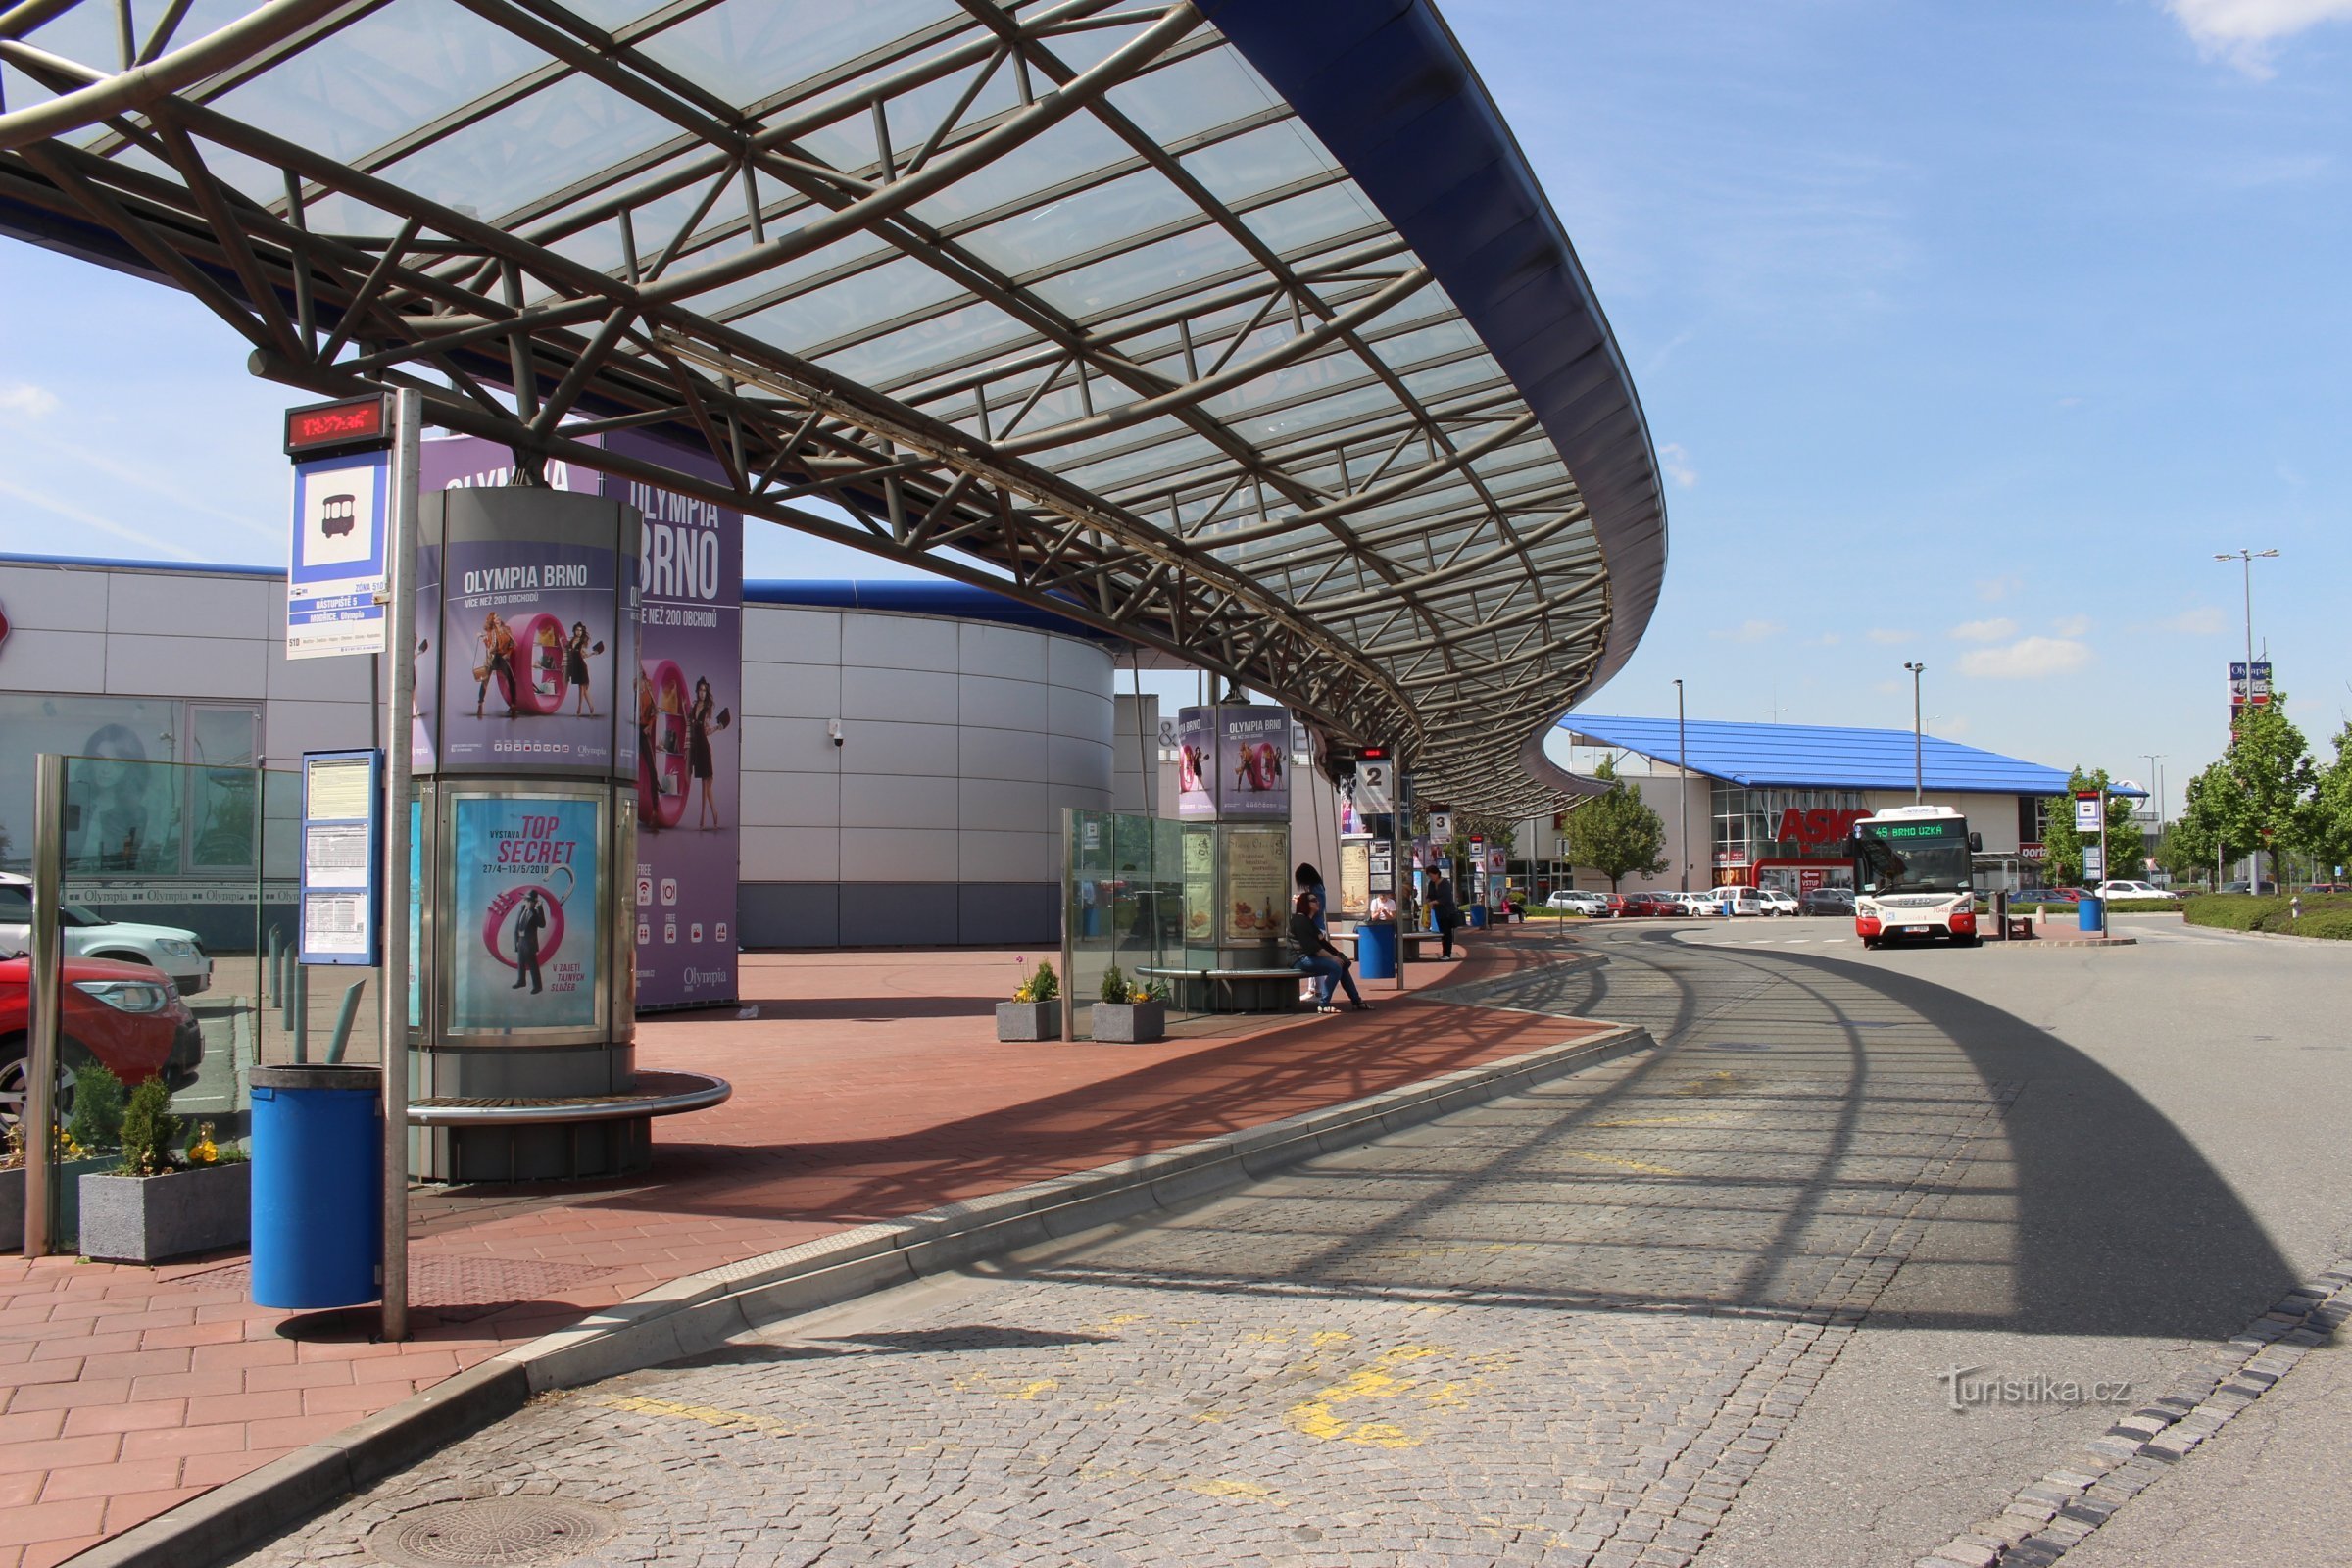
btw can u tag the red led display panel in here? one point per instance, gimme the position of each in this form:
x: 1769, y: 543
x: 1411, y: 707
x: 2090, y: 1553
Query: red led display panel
x: 355, y: 421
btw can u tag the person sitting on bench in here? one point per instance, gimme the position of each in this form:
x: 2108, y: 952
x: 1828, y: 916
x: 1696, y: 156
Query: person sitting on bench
x: 1320, y: 960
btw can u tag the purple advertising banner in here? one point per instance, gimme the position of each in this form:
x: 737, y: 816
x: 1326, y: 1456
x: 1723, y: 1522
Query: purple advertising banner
x: 689, y: 690
x: 679, y: 706
x: 1196, y: 765
x: 526, y: 666
x: 1254, y: 782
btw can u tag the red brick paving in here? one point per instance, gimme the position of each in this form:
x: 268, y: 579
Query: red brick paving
x: 868, y: 1086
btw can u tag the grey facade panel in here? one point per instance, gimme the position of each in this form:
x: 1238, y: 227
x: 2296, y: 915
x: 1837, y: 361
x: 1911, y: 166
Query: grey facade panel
x: 897, y: 914
x: 990, y: 913
x: 787, y: 914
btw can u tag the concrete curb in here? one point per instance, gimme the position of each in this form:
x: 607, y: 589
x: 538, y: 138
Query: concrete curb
x: 702, y: 1311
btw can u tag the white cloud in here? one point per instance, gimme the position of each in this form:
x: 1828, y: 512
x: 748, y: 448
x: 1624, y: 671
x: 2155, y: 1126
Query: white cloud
x: 2202, y: 622
x: 26, y: 399
x: 2070, y: 403
x: 1985, y: 631
x: 1676, y: 460
x: 2071, y: 625
x: 2247, y: 32
x: 2027, y: 659
x: 1886, y: 638
x: 1750, y: 631
x: 1992, y: 590
x: 90, y: 519
x: 1887, y: 688
x: 1949, y: 728
x: 1828, y: 639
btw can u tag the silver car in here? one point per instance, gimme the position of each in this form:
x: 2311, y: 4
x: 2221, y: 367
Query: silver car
x: 90, y: 935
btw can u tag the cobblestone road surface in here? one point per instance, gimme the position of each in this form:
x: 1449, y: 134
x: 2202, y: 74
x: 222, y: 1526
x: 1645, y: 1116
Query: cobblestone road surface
x: 1561, y: 1328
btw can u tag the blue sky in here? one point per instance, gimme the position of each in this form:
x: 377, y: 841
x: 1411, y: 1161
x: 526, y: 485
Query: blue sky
x: 1968, y: 334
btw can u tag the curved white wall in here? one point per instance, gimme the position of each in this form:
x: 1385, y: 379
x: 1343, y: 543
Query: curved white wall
x: 937, y: 819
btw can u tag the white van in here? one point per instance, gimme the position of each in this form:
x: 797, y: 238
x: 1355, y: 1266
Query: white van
x: 1740, y: 901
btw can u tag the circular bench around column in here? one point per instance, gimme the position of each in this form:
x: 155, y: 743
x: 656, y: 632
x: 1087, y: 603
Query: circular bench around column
x: 624, y: 1119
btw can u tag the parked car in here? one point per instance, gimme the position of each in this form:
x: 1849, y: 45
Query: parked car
x: 2327, y: 887
x: 1738, y: 900
x: 1654, y: 904
x: 2046, y: 896
x: 2266, y: 889
x: 1576, y: 900
x: 1779, y: 902
x: 1827, y: 900
x: 88, y: 934
x: 126, y: 1016
x: 2127, y: 889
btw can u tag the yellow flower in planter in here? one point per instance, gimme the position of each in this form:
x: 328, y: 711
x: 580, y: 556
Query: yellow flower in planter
x: 204, y: 1152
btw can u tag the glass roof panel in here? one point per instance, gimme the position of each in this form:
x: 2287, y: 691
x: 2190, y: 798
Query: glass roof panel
x: 1438, y: 380
x: 1115, y: 281
x: 927, y: 344
x: 848, y: 305
x: 1257, y: 161
x: 384, y: 76
x: 1084, y: 222
x: 1304, y: 220
x: 1193, y: 95
x: 1063, y: 151
x: 560, y: 134
x: 747, y: 51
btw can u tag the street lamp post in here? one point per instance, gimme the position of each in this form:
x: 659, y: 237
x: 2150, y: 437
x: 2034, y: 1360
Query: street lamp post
x: 2246, y: 560
x: 1681, y: 785
x: 1919, y: 773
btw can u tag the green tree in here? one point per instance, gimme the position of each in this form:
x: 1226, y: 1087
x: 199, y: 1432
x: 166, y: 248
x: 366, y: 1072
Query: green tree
x: 2259, y: 795
x: 2331, y: 806
x: 1616, y: 833
x: 2127, y: 854
x: 2184, y: 854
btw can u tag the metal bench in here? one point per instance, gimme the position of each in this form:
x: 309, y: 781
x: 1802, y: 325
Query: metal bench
x: 602, y: 1135
x: 1224, y: 984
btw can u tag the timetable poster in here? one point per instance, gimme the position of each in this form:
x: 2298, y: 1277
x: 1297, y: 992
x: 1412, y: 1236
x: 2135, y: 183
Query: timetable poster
x: 526, y: 911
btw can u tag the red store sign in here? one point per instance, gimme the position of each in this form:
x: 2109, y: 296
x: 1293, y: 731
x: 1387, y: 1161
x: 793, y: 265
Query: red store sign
x: 1820, y: 828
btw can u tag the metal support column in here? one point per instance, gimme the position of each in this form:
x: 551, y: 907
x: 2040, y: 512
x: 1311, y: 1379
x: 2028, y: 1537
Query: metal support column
x: 400, y: 617
x: 39, y: 1124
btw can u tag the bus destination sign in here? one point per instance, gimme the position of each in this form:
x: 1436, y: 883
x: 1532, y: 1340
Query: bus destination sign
x: 352, y: 424
x: 1952, y: 828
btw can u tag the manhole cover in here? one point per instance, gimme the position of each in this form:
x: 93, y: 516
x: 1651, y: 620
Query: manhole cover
x: 490, y: 1531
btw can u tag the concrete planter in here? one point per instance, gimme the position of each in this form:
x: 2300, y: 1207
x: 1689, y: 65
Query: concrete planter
x: 146, y: 1219
x: 68, y: 1200
x: 1029, y: 1020
x: 1131, y: 1023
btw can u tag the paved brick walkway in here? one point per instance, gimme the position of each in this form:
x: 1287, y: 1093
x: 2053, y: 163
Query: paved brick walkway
x: 867, y: 1086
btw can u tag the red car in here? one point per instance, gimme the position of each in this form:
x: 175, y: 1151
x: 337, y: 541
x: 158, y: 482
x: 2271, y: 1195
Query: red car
x: 125, y: 1015
x: 1654, y: 904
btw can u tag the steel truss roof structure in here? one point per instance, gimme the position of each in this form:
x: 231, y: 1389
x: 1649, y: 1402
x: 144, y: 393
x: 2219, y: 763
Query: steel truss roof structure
x: 1239, y: 330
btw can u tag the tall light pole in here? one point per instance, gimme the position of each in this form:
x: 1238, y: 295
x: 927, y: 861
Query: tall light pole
x: 1919, y: 773
x: 2156, y: 767
x: 2246, y: 558
x: 1681, y: 783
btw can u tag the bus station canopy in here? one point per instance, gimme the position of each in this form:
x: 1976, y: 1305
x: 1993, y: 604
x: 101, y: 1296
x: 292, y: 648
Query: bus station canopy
x: 1237, y: 328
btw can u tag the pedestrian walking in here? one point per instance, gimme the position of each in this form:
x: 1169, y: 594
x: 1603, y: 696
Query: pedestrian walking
x: 1447, y: 913
x: 1318, y: 959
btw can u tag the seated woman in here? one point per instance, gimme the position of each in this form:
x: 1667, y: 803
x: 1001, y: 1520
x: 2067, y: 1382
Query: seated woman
x: 1318, y: 958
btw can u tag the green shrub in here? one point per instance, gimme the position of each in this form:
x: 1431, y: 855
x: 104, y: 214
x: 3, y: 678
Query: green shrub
x: 1114, y: 985
x: 97, y: 1106
x: 1042, y: 985
x: 2335, y: 924
x: 2323, y: 912
x: 150, y: 1132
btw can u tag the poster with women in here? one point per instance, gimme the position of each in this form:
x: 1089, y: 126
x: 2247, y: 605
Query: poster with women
x: 527, y: 640
x: 525, y: 940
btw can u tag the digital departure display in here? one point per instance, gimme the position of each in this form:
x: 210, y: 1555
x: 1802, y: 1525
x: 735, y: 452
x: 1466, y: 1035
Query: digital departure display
x: 330, y: 426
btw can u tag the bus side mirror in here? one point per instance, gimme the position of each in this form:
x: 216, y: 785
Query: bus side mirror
x: 1851, y: 849
x: 1976, y: 843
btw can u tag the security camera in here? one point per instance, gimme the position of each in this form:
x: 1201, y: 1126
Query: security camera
x: 833, y: 729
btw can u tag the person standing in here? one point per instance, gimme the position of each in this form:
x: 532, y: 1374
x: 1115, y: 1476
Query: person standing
x: 697, y: 748
x: 527, y: 929
x: 1447, y: 913
x: 498, y: 663
x: 1318, y: 959
x: 575, y: 668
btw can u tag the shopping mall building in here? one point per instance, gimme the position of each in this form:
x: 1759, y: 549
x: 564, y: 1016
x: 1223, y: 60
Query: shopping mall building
x: 1771, y: 804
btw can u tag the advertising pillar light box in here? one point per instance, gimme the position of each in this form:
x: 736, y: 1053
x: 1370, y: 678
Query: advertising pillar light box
x: 526, y: 949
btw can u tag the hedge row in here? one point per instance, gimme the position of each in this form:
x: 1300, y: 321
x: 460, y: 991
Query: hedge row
x: 2325, y: 914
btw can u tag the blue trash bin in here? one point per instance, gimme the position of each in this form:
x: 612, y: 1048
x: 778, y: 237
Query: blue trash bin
x: 1478, y: 917
x: 1376, y: 949
x: 2092, y: 914
x: 317, y: 1186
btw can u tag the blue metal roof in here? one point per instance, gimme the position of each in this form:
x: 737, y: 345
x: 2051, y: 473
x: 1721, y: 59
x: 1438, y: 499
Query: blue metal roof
x: 1825, y: 757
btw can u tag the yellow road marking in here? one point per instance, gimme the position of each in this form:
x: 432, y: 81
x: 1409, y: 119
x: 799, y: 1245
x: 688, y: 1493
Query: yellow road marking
x: 1317, y: 1417
x: 1626, y: 1165
x: 708, y: 1415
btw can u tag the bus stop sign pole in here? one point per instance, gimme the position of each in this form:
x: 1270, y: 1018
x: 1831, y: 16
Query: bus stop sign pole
x: 400, y: 563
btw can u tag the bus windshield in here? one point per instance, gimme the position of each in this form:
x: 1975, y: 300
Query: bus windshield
x: 1893, y: 860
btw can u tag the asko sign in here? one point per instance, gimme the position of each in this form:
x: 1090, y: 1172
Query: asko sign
x: 328, y: 427
x: 1817, y: 828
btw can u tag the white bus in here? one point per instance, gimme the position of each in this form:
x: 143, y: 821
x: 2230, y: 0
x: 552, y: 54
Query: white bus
x: 1914, y: 875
